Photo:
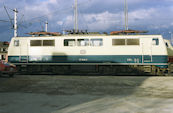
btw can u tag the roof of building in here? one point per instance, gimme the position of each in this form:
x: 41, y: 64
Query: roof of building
x: 4, y: 44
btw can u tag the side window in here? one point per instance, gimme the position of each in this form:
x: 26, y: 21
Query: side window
x: 83, y: 42
x: 155, y: 41
x: 69, y: 42
x: 3, y: 49
x: 132, y: 41
x: 16, y: 43
x: 117, y: 42
x: 96, y: 42
x: 48, y: 42
x: 36, y: 43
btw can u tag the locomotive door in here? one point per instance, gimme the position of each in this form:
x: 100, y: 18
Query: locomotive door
x: 146, y: 53
x: 23, y: 51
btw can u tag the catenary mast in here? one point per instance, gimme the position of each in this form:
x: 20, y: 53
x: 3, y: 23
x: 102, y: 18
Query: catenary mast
x: 126, y: 14
x: 76, y: 16
x: 15, y: 22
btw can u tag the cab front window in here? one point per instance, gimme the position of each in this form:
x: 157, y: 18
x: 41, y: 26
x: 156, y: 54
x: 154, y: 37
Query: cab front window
x: 16, y: 43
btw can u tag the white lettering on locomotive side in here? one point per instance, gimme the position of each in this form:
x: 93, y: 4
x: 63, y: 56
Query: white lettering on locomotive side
x: 83, y: 59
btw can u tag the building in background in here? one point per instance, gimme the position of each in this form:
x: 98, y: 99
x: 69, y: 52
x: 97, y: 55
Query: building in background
x: 3, y: 50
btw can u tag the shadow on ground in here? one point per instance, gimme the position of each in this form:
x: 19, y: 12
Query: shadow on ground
x: 65, y: 91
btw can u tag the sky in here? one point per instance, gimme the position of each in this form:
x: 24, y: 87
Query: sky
x: 155, y: 16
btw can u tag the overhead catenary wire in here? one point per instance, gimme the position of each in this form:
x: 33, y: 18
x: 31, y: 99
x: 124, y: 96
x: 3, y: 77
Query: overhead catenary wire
x: 10, y: 19
x: 31, y: 21
x: 75, y: 14
x: 38, y: 19
x: 4, y: 21
x: 83, y: 19
x: 58, y: 11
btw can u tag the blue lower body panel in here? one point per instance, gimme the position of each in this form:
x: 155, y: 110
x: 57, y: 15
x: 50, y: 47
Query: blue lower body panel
x: 121, y: 59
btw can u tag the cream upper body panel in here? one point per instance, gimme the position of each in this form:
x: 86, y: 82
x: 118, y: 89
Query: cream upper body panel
x: 148, y: 45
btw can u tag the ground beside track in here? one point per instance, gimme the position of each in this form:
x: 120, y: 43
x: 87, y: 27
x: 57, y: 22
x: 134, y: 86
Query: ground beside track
x: 86, y: 94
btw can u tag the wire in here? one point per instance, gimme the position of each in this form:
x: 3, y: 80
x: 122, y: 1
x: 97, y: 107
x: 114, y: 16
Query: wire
x: 4, y: 21
x: 61, y: 10
x: 48, y: 14
x: 83, y: 19
x: 8, y: 15
x: 8, y: 7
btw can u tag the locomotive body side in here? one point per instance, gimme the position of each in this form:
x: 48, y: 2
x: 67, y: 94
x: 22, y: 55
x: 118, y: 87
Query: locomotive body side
x: 89, y: 50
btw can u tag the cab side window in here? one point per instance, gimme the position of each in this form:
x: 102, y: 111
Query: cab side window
x: 155, y: 41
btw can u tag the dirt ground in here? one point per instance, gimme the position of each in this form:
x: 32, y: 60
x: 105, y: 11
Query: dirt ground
x: 86, y: 94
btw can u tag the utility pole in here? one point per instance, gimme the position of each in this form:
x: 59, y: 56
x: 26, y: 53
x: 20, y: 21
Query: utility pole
x: 76, y: 16
x: 46, y: 26
x: 15, y: 22
x: 126, y: 14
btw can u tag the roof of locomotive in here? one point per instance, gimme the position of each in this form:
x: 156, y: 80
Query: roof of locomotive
x: 89, y: 35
